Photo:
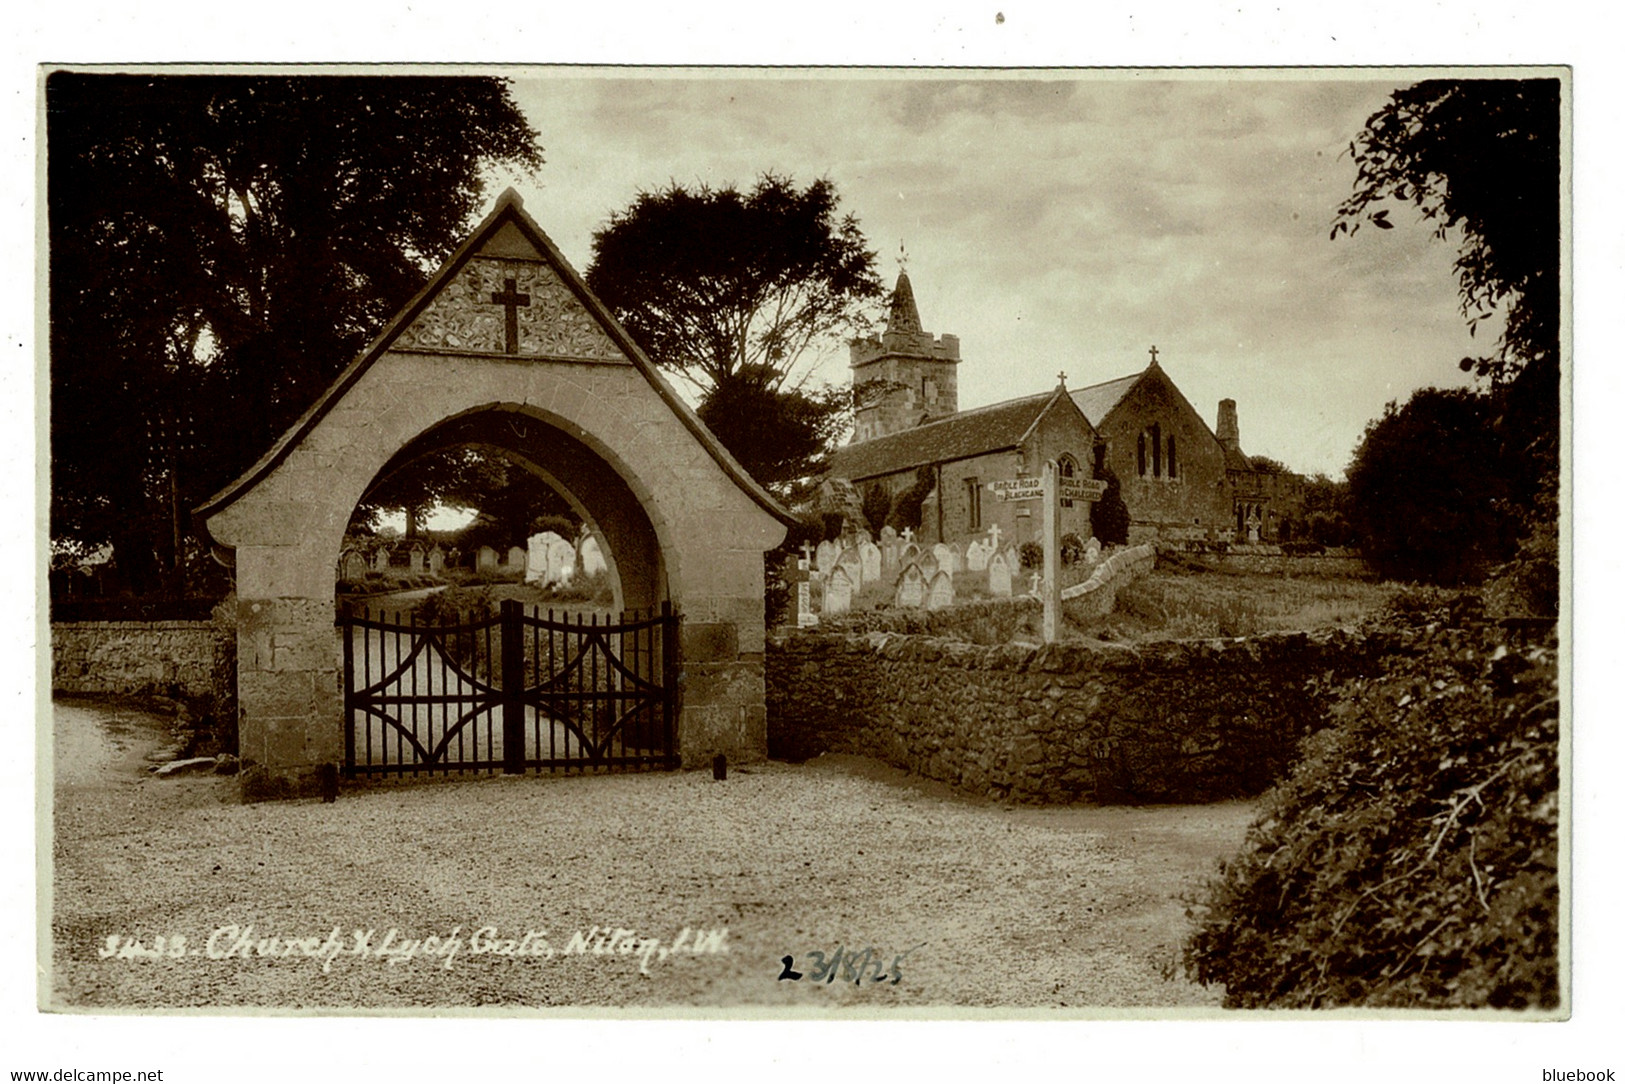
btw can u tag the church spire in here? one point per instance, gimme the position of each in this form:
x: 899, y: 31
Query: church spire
x: 905, y: 314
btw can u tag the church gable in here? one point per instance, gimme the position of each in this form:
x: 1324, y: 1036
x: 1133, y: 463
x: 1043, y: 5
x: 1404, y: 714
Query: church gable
x: 507, y: 304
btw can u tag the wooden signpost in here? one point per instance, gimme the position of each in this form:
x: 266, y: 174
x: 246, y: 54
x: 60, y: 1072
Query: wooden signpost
x: 1052, y: 489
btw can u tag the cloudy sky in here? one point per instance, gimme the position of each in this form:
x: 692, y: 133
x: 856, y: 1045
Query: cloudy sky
x: 1067, y: 222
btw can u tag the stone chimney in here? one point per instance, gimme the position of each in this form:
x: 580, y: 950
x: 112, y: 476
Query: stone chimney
x: 1229, y: 430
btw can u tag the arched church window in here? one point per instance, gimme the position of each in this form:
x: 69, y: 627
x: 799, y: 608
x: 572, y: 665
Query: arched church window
x: 1173, y: 463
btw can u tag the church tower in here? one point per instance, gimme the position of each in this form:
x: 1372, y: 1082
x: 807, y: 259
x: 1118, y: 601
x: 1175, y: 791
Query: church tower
x: 906, y: 377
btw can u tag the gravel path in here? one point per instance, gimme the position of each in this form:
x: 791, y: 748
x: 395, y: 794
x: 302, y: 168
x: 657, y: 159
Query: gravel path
x: 1001, y: 906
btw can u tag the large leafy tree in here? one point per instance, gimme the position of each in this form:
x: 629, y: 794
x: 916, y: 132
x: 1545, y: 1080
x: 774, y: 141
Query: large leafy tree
x: 1426, y: 490
x: 730, y: 290
x: 1481, y: 160
x: 220, y: 247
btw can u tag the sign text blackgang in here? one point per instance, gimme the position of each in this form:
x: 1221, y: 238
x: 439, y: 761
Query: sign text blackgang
x: 392, y: 947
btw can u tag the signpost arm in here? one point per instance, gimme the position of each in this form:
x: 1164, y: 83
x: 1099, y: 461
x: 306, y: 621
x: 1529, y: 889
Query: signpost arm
x: 1052, y: 551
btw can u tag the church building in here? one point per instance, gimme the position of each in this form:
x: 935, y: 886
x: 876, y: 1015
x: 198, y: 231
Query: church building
x: 1178, y: 479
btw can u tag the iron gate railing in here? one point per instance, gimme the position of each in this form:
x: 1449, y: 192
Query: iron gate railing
x: 512, y: 691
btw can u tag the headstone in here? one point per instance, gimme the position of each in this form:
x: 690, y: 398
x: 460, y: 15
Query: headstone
x: 998, y: 576
x: 940, y: 594
x: 909, y: 554
x: 352, y: 566
x: 516, y: 557
x: 910, y: 593
x: 869, y: 555
x: 540, y: 555
x: 838, y: 592
x: 890, y: 547
x: 828, y: 553
x: 561, y: 561
x: 414, y: 557
x: 592, y: 556
x: 852, y: 563
x: 944, y: 556
x: 486, y: 559
x: 380, y: 558
x: 437, y: 560
x: 888, y: 533
x: 976, y: 556
x: 1091, y: 550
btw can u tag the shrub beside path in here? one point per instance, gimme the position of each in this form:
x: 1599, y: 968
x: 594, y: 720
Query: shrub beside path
x: 1009, y: 907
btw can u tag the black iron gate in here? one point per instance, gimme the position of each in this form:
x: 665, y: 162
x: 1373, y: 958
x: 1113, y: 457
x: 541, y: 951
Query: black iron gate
x: 510, y: 691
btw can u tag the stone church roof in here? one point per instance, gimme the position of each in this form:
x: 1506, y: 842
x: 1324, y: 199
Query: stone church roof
x: 1098, y: 400
x: 966, y: 434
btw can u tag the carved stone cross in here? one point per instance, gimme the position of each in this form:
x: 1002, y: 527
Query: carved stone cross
x: 512, y: 300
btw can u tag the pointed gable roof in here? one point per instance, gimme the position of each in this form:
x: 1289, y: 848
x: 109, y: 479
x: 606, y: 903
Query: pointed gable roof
x: 1098, y: 400
x: 589, y: 330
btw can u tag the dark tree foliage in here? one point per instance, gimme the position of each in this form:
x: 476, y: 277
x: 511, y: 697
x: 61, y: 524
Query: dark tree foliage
x: 1409, y: 860
x: 1108, y: 517
x: 730, y: 290
x: 908, y: 505
x: 1263, y: 464
x: 1426, y: 490
x: 1325, y: 519
x: 221, y: 246
x: 781, y: 436
x: 1481, y: 160
x: 876, y: 507
x: 455, y: 476
x: 715, y: 282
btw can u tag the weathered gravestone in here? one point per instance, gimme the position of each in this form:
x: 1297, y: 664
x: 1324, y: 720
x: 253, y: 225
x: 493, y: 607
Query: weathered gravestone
x: 940, y: 593
x: 998, y: 576
x: 1091, y: 550
x: 437, y: 560
x: 380, y: 558
x: 516, y: 557
x: 828, y: 554
x: 352, y: 566
x: 852, y: 563
x: 592, y: 556
x: 910, y: 593
x: 943, y: 554
x: 869, y: 554
x: 909, y: 554
x: 890, y: 547
x: 976, y: 556
x: 414, y: 557
x: 486, y: 559
x: 838, y: 592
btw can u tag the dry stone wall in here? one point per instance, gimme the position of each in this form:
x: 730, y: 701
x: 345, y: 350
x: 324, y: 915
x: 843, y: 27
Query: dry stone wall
x: 1180, y: 721
x: 137, y: 658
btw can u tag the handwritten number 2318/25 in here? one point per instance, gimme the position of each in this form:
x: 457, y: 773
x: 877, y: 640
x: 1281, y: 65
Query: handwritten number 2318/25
x: 853, y: 967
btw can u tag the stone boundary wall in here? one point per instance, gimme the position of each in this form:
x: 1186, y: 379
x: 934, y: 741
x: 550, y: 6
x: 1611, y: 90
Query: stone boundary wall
x: 1327, y: 566
x: 1177, y: 721
x: 136, y: 658
x: 1096, y: 596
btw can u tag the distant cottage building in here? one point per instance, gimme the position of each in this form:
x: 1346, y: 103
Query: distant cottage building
x: 1179, y: 479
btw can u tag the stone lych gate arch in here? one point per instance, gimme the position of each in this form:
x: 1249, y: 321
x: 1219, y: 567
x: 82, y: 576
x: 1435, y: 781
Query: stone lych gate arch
x: 507, y: 348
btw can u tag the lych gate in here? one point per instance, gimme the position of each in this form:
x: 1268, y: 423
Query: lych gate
x: 505, y: 348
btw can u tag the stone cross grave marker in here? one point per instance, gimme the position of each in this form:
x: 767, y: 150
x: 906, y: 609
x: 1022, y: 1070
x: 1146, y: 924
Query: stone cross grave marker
x: 998, y: 576
x: 940, y: 595
x: 838, y: 592
x: 910, y: 594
